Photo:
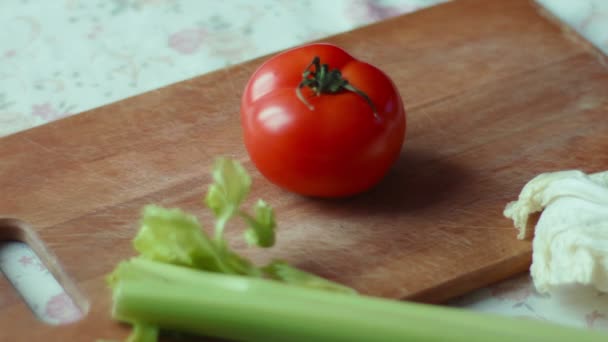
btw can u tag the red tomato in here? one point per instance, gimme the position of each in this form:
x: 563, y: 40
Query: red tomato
x: 338, y: 137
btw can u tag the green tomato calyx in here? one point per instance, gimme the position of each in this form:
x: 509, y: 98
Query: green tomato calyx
x: 321, y: 80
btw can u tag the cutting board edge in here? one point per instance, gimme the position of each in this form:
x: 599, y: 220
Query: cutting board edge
x: 571, y: 34
x: 456, y: 287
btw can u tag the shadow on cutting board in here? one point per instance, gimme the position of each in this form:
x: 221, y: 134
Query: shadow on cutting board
x: 418, y: 179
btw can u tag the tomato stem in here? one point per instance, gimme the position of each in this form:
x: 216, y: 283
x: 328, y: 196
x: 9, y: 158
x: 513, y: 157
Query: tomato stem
x: 322, y: 80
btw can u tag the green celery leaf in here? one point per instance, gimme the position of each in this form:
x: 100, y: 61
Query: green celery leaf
x: 231, y: 186
x: 281, y: 271
x: 261, y: 227
x: 115, y: 277
x: 241, y: 265
x: 143, y: 332
x: 172, y: 236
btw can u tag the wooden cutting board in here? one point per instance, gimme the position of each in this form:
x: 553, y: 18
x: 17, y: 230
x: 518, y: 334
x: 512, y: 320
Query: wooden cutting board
x: 495, y: 94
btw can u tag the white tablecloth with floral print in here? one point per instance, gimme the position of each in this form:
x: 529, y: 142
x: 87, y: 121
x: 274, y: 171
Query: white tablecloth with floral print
x: 59, y: 58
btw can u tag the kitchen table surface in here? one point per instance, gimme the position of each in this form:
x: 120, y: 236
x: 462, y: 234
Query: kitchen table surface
x: 60, y: 58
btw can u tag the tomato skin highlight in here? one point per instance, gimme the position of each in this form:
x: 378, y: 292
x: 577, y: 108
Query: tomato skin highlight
x: 339, y: 147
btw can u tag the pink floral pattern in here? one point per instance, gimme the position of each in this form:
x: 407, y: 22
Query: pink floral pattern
x: 47, y: 112
x: 374, y: 10
x: 59, y: 58
x: 61, y: 308
x: 40, y: 290
x: 517, y: 290
x: 187, y: 41
x: 597, y: 320
x: 10, y: 53
x: 95, y: 32
x: 27, y: 261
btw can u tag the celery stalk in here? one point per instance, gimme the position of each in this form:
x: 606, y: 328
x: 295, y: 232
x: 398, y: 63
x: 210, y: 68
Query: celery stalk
x: 255, y: 309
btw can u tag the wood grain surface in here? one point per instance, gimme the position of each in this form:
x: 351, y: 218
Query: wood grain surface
x: 495, y: 94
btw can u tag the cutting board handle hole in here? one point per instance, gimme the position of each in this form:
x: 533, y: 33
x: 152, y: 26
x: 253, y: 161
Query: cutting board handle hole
x: 36, y: 275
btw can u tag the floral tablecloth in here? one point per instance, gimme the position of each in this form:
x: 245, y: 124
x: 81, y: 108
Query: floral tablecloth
x: 59, y: 58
